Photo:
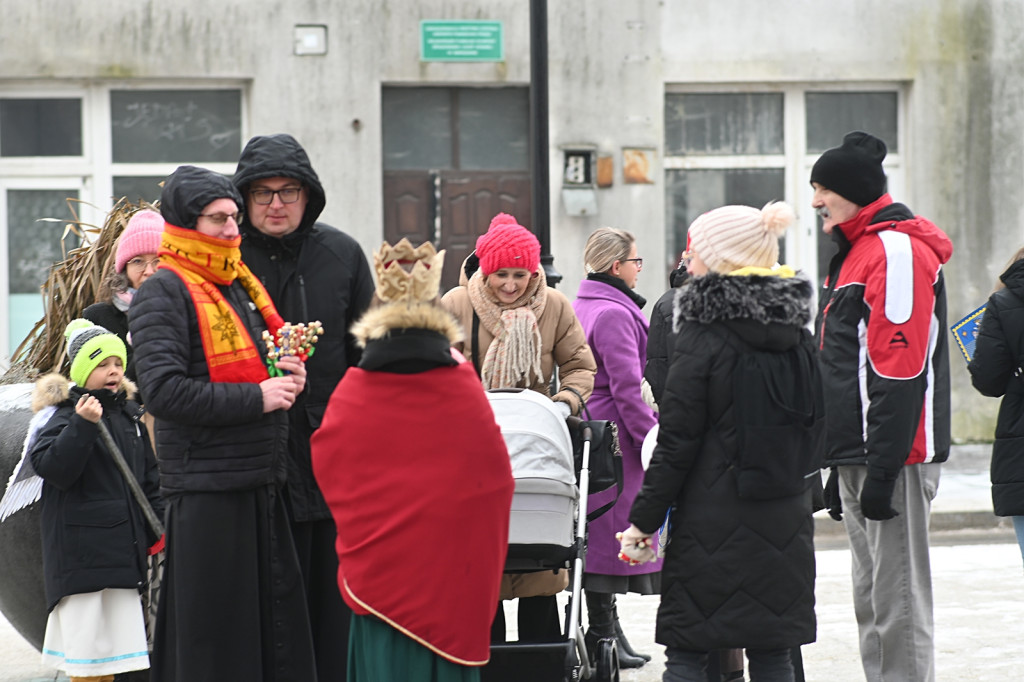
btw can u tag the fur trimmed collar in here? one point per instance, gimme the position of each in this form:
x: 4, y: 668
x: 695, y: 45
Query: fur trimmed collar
x: 377, y: 322
x: 53, y: 389
x: 758, y: 298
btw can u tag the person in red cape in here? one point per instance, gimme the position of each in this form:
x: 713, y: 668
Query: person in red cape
x: 416, y: 473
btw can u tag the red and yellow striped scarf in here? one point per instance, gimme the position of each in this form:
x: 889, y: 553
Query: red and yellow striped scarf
x: 203, y: 263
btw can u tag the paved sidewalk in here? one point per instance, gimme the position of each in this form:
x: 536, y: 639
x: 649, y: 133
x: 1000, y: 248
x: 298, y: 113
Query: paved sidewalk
x: 978, y: 592
x: 978, y: 579
x: 978, y: 619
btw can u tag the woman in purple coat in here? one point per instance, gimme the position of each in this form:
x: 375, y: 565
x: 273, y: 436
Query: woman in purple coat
x: 610, y: 312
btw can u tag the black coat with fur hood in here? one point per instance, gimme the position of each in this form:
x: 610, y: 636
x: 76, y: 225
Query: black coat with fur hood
x: 94, y: 533
x: 738, y: 573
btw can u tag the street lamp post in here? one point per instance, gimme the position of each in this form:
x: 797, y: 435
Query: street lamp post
x: 540, y: 180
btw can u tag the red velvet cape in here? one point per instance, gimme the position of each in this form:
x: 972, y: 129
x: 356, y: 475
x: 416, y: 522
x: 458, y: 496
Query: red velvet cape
x: 417, y: 476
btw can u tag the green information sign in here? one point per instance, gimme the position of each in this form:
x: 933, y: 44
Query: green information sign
x: 461, y: 41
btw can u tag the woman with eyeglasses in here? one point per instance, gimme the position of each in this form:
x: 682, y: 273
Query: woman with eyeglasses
x: 610, y: 312
x: 232, y: 604
x: 134, y: 261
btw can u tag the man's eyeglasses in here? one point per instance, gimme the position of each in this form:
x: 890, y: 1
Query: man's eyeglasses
x: 639, y: 262
x: 143, y: 264
x: 289, y: 195
x: 219, y: 219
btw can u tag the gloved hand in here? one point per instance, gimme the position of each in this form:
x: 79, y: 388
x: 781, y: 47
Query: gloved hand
x: 876, y: 497
x: 636, y: 546
x: 563, y: 409
x: 647, y: 393
x: 831, y: 495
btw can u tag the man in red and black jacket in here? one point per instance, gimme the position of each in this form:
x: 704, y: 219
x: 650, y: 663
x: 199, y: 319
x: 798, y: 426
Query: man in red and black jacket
x: 885, y: 365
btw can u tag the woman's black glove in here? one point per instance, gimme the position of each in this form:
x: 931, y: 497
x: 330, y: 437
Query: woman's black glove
x: 876, y: 497
x: 831, y: 495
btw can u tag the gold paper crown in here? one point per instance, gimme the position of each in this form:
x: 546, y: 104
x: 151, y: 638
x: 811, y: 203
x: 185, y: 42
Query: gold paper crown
x: 409, y: 274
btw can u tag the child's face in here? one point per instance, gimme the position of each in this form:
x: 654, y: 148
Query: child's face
x: 108, y: 374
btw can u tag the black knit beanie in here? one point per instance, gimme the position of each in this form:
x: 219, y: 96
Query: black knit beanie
x: 854, y: 169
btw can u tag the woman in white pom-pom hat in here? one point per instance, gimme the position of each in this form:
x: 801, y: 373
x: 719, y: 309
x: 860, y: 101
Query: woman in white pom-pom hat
x: 739, y: 566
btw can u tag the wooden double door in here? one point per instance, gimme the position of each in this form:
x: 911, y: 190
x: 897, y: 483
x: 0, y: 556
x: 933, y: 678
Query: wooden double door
x: 451, y: 208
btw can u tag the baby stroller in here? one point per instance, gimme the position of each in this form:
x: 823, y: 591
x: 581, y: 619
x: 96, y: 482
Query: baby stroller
x: 547, y: 531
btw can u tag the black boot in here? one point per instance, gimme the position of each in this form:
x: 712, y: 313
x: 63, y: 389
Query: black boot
x: 620, y: 636
x: 601, y: 616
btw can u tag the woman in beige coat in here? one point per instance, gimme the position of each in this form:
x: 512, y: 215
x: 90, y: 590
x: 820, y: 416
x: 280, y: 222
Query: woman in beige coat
x: 517, y: 331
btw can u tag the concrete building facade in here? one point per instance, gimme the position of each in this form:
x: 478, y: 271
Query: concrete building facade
x: 659, y: 110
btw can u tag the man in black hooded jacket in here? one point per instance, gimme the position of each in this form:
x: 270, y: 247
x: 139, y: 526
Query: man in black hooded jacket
x: 313, y: 272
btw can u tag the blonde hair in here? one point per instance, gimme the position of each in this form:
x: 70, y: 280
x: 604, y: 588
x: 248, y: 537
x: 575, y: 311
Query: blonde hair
x: 605, y: 246
x: 1016, y: 257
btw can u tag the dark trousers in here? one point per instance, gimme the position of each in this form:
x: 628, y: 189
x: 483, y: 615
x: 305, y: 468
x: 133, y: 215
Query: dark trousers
x: 725, y: 661
x: 772, y: 665
x: 329, y: 615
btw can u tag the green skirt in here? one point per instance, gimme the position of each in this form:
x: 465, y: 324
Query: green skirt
x: 379, y: 653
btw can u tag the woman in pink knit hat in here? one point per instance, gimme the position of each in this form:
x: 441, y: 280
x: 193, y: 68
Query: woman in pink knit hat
x: 135, y: 260
x: 517, y: 332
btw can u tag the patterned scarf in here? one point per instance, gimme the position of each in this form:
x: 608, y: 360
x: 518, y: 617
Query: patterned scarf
x: 203, y: 263
x: 513, y: 358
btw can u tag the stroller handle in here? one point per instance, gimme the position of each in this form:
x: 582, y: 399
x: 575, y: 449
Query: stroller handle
x: 575, y: 424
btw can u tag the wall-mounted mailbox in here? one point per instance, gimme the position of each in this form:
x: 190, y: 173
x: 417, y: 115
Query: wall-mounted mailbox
x: 579, y: 179
x: 579, y: 168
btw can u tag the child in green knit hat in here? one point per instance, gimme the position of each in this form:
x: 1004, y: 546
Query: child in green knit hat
x: 95, y: 536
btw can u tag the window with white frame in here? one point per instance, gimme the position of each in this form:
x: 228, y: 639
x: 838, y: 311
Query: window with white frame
x: 152, y: 132
x: 755, y: 144
x: 91, y: 145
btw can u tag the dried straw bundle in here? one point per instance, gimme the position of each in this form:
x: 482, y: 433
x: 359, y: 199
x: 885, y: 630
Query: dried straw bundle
x: 72, y: 285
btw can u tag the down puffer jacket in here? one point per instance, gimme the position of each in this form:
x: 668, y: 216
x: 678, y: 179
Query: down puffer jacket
x: 738, y: 573
x: 995, y: 372
x: 94, y: 533
x: 209, y: 436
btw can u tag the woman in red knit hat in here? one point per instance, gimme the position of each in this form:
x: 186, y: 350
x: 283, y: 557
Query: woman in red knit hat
x: 517, y: 330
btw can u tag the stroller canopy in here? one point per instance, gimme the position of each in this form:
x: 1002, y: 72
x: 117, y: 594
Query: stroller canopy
x: 536, y: 435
